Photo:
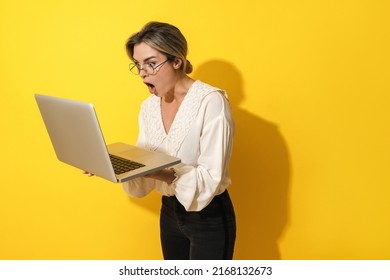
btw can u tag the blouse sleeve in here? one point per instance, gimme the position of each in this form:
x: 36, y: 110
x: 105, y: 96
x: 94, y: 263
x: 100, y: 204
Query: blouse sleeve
x: 198, y: 184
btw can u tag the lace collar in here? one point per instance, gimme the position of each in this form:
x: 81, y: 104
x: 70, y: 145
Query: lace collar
x: 188, y: 110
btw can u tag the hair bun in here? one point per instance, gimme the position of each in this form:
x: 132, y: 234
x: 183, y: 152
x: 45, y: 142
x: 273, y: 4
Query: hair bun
x: 188, y: 69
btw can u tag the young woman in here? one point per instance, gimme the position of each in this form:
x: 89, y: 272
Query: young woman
x: 190, y: 120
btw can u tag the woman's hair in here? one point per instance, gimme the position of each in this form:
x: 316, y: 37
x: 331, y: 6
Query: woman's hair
x: 165, y: 38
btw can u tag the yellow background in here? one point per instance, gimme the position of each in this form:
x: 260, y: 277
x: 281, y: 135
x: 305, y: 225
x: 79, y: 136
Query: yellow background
x: 309, y: 88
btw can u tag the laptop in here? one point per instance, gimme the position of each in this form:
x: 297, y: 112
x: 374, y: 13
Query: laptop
x: 77, y: 139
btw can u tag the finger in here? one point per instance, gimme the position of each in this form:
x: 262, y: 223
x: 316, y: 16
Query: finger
x: 88, y: 173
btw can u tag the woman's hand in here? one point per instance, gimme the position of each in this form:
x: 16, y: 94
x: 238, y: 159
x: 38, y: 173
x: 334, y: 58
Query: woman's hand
x: 166, y: 175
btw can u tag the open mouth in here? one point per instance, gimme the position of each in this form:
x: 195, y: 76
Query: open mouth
x: 151, y: 88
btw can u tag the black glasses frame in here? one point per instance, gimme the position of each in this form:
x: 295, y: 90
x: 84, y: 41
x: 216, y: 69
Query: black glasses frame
x: 149, y: 69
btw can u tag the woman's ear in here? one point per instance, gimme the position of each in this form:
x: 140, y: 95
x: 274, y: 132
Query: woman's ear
x: 177, y: 63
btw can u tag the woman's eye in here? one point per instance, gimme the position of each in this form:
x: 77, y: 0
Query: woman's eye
x: 151, y: 64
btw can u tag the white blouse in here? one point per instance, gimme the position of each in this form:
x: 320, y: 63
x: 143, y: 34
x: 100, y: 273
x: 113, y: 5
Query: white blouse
x: 201, y: 135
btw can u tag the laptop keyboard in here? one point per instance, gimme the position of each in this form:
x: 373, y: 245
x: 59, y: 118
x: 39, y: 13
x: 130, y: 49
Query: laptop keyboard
x: 122, y: 165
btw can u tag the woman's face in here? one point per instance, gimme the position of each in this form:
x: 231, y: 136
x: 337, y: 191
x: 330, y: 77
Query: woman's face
x: 162, y: 81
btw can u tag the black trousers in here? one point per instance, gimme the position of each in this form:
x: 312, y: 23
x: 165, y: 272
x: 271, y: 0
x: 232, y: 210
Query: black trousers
x: 205, y: 235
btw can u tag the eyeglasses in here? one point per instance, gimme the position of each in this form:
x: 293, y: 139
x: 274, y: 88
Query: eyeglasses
x: 148, y: 67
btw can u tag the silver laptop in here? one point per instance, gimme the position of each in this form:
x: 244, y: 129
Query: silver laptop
x: 77, y: 139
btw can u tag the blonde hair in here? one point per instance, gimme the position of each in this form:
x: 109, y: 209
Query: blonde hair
x: 165, y: 38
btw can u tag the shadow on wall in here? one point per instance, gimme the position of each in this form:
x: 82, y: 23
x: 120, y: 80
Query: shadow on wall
x: 260, y: 171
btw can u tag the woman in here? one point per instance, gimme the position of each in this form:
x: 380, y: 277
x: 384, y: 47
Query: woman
x: 192, y: 121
